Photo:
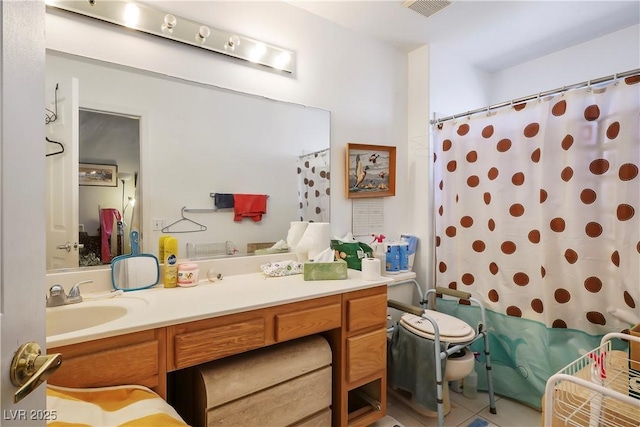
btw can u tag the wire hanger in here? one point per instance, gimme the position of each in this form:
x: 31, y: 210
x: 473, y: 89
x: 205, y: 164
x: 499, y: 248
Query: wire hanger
x: 52, y: 116
x: 54, y: 142
x: 167, y: 228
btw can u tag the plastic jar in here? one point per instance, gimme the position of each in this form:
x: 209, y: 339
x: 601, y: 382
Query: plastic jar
x: 188, y: 274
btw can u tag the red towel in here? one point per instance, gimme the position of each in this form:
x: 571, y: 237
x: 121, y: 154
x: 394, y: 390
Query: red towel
x: 249, y: 206
x: 106, y: 228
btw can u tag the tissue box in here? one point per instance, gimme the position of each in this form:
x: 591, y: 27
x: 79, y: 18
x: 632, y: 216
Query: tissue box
x: 335, y: 270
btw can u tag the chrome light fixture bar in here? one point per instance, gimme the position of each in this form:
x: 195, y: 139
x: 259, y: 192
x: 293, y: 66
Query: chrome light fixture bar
x: 141, y: 17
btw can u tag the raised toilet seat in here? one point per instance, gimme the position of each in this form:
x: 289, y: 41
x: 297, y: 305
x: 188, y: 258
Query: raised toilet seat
x: 452, y: 331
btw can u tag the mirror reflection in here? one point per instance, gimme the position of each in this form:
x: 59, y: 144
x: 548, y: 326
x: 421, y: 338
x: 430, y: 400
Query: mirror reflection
x: 106, y: 213
x: 130, y: 273
x: 194, y: 141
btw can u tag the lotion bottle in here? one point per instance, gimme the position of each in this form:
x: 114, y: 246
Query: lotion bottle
x: 170, y: 262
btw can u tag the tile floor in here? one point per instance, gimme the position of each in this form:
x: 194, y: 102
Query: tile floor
x: 465, y: 413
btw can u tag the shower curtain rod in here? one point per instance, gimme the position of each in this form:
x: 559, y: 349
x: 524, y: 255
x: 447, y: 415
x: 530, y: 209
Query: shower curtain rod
x: 539, y: 95
x: 313, y: 152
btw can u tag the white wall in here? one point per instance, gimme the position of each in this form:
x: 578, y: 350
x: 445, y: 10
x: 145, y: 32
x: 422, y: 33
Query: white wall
x: 455, y: 86
x: 361, y: 81
x: 604, y: 56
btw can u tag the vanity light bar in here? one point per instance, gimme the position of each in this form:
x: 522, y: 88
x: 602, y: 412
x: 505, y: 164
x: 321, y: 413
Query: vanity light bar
x: 141, y: 17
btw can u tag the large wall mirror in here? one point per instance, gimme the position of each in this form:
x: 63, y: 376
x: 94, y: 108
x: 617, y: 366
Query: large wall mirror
x: 158, y: 148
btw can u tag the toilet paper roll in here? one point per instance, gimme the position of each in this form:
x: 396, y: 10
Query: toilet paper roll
x: 296, y: 230
x: 371, y: 269
x: 316, y: 238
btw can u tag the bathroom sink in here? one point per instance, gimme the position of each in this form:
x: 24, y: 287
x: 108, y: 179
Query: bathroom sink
x: 75, y: 317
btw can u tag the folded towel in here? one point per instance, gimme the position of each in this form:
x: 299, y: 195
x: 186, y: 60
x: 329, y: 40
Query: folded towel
x: 130, y: 405
x: 106, y: 228
x: 411, y: 366
x: 249, y: 206
x: 223, y: 201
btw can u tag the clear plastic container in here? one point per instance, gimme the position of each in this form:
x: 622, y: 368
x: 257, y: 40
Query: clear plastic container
x: 470, y: 385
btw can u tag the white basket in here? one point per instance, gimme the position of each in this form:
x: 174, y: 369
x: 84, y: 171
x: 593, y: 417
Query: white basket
x: 209, y: 250
x: 594, y: 390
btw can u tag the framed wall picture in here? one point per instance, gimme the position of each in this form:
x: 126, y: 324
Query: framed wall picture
x: 371, y: 171
x: 98, y: 175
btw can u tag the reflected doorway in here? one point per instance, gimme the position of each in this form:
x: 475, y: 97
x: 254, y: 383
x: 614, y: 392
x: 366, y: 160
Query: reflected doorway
x: 107, y: 213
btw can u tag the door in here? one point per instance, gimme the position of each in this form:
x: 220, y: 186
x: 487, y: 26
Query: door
x: 22, y: 212
x: 62, y: 175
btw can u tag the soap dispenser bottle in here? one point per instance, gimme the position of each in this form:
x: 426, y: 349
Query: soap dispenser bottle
x: 379, y: 252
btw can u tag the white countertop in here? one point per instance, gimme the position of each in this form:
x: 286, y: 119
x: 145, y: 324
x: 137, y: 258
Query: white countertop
x: 158, y: 306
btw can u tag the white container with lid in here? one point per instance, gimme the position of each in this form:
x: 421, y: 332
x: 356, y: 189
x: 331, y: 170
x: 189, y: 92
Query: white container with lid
x: 188, y: 274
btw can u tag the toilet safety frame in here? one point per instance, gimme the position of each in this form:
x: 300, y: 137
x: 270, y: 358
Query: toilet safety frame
x: 482, y: 333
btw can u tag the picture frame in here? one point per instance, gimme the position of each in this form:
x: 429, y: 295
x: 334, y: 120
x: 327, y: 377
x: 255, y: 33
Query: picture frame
x: 371, y: 171
x: 98, y: 175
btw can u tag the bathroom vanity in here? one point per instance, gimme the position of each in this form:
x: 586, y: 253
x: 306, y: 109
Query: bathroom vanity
x: 185, y: 327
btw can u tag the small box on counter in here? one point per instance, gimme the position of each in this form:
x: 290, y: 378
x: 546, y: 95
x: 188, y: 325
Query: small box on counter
x: 335, y: 270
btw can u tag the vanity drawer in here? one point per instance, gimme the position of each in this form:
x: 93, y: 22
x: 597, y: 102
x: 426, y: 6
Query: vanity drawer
x: 366, y: 312
x: 307, y: 321
x: 137, y: 358
x: 192, y: 347
x: 366, y: 354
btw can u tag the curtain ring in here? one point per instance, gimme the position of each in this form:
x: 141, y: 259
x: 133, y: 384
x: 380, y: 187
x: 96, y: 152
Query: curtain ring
x: 588, y: 85
x: 488, y: 110
x: 615, y: 79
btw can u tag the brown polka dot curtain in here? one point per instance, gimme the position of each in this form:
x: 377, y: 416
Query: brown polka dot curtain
x: 538, y: 207
x: 314, y: 187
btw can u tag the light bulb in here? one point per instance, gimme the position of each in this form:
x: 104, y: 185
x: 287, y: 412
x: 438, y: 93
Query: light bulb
x: 170, y: 21
x: 282, y: 60
x: 257, y: 52
x: 234, y: 41
x: 131, y: 14
x: 203, y: 33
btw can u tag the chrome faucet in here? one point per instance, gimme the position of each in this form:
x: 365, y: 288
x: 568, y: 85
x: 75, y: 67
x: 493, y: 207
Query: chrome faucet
x: 57, y: 297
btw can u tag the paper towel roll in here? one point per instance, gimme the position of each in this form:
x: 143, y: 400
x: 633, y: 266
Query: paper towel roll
x: 370, y: 268
x: 316, y: 238
x: 296, y: 230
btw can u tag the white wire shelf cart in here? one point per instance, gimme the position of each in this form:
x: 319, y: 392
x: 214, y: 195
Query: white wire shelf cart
x: 601, y: 388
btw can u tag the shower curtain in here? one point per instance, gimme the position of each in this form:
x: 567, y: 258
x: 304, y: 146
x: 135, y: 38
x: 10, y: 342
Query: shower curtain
x: 314, y: 186
x: 537, y: 215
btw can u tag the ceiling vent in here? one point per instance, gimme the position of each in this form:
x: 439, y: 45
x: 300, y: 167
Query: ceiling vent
x: 426, y: 7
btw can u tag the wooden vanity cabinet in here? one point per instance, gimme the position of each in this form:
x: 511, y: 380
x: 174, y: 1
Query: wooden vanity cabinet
x: 354, y: 324
x: 360, y: 358
x: 136, y: 358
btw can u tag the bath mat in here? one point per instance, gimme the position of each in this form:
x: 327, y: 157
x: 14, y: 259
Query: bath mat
x: 478, y: 422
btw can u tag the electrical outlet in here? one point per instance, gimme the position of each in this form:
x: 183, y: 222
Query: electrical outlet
x: 158, y: 224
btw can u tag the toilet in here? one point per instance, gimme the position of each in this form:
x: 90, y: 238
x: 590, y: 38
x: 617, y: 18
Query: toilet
x: 453, y: 331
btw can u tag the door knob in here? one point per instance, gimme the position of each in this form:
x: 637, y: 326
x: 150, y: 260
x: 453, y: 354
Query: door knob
x: 77, y: 246
x: 67, y: 247
x: 29, y: 369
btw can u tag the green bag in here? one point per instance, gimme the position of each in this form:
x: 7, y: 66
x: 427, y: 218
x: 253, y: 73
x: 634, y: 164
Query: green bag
x: 351, y: 252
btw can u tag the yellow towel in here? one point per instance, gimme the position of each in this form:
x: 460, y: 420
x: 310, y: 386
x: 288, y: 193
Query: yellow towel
x: 130, y: 405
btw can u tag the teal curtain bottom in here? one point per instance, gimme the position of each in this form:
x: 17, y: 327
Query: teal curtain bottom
x: 524, y: 353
